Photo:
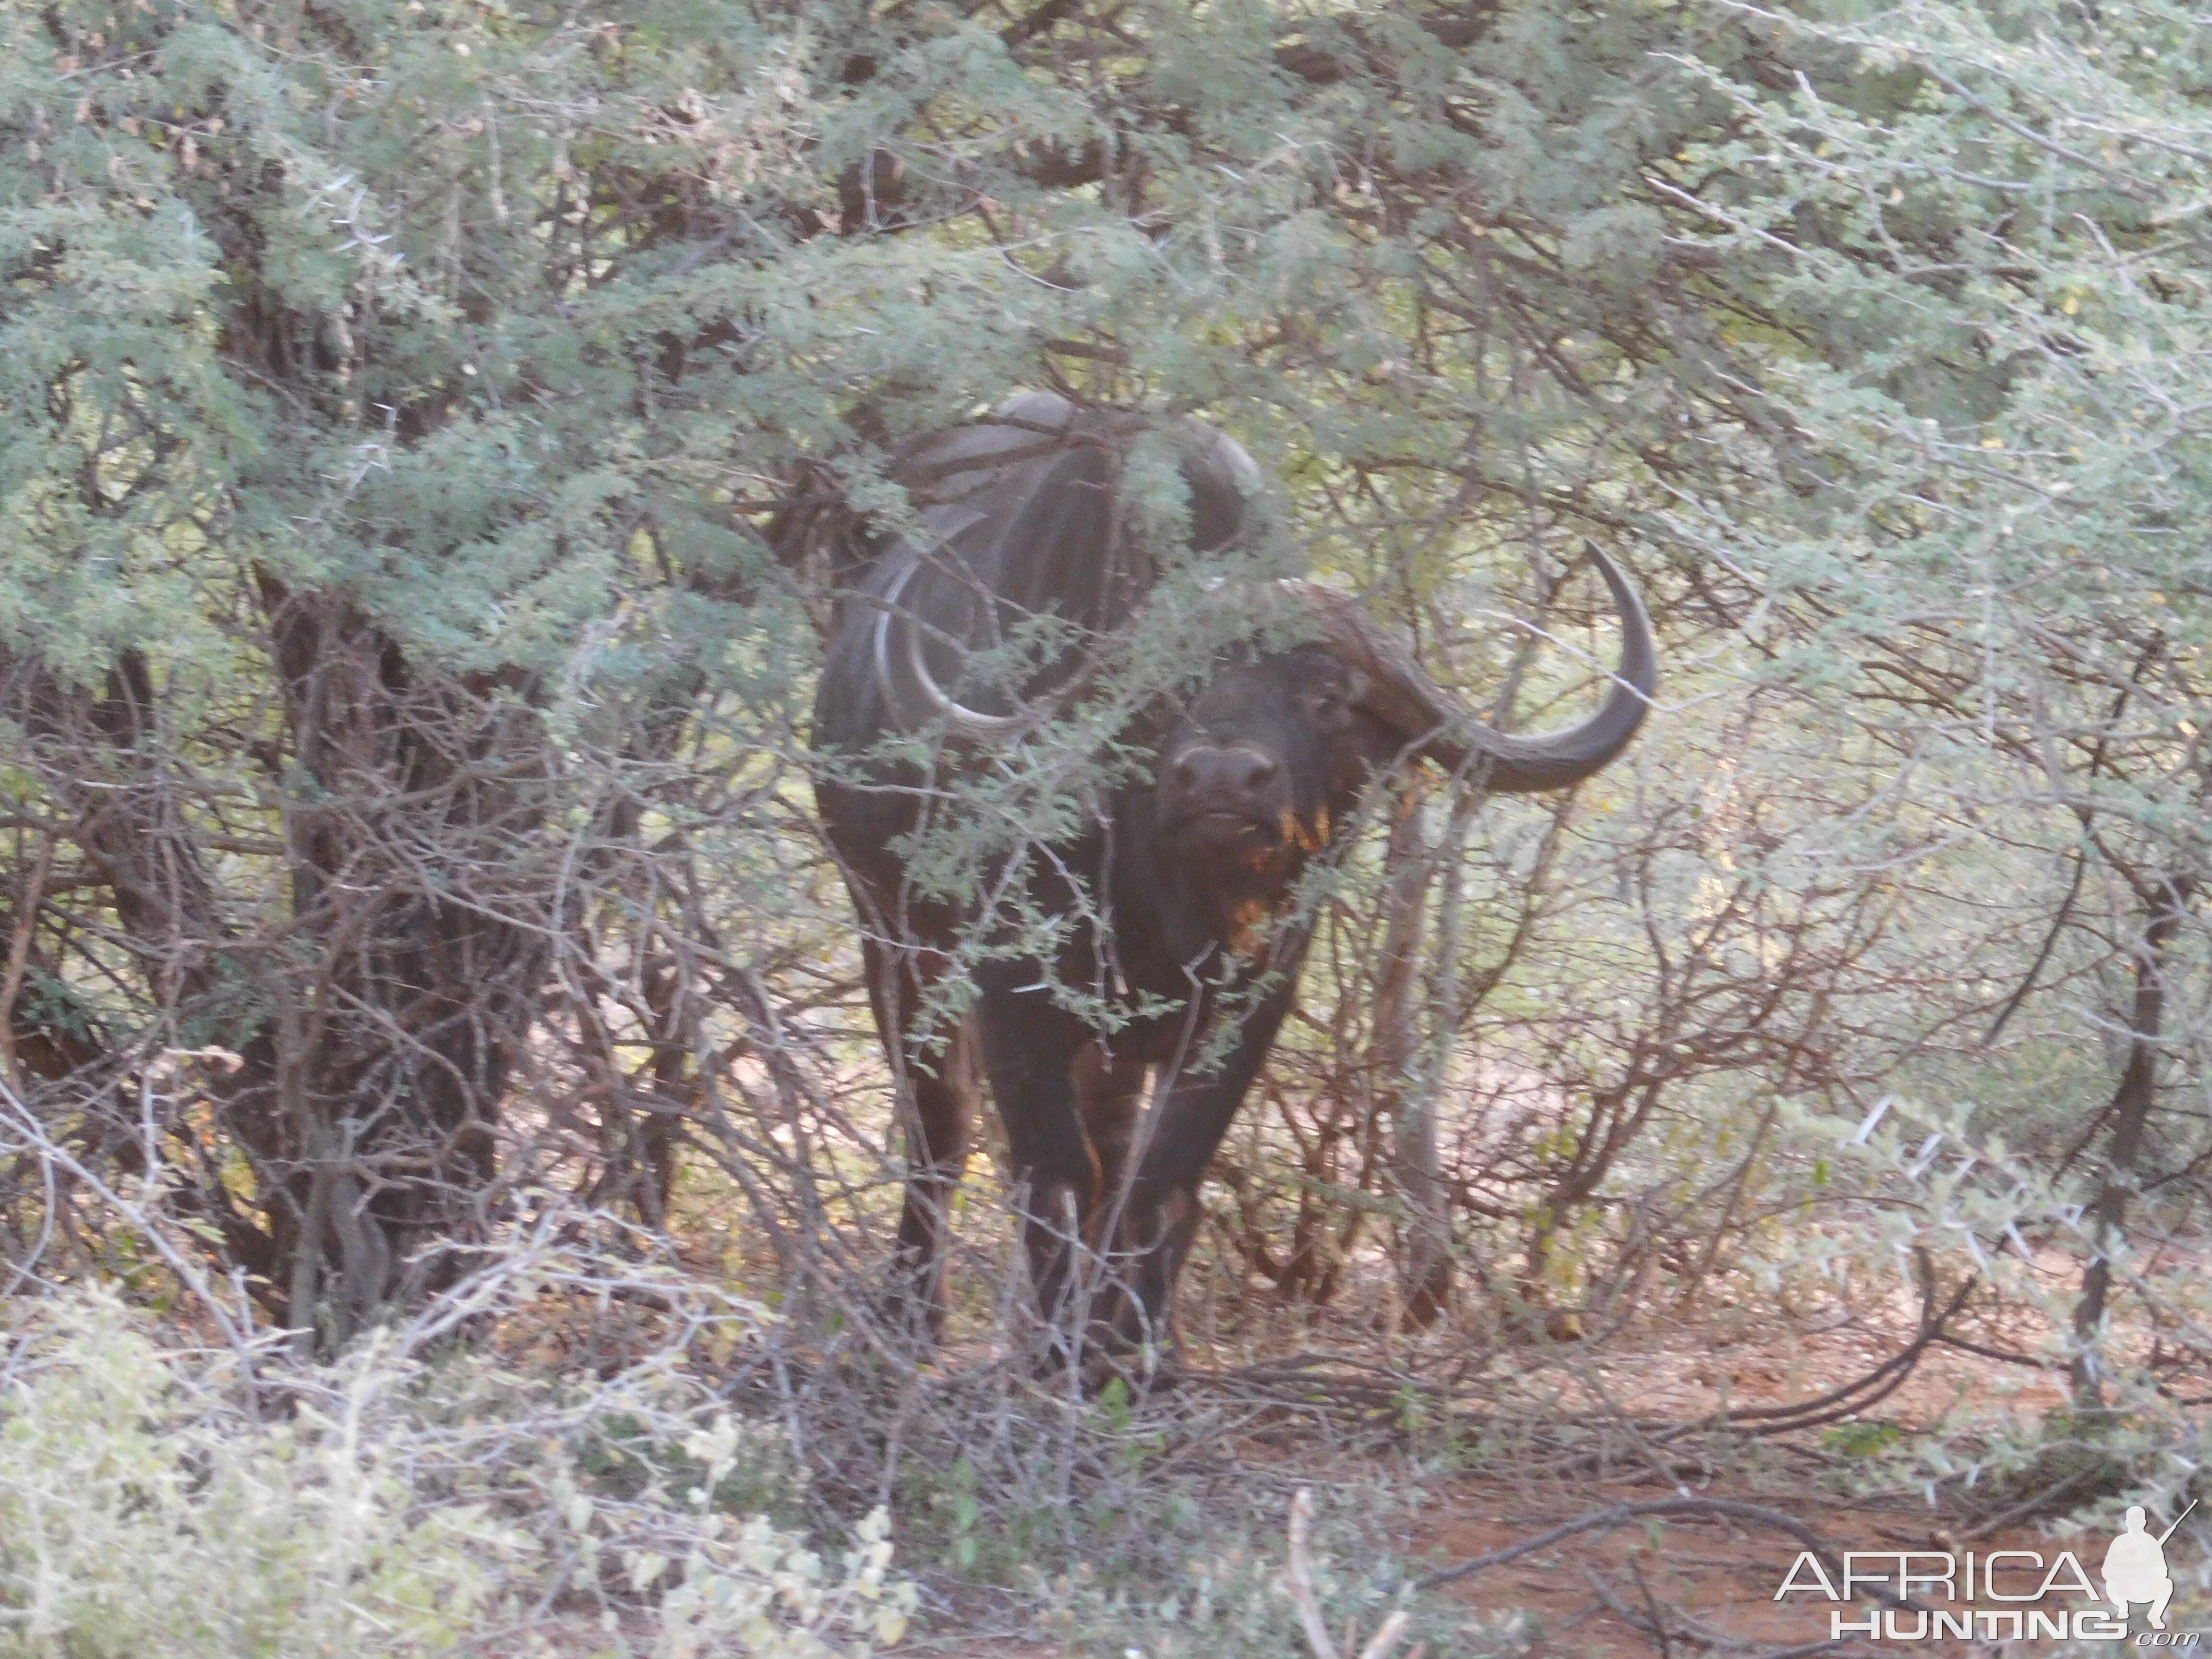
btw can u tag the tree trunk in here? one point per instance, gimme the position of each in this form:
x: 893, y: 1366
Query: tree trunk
x: 1406, y: 1088
x: 2130, y: 1112
x: 418, y: 939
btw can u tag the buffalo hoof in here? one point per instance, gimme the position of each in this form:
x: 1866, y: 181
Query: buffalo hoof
x: 1108, y: 1357
x: 912, y: 1324
x: 1140, y: 1372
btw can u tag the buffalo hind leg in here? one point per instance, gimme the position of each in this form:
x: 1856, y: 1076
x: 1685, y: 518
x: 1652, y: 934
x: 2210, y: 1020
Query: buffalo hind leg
x: 938, y: 1090
x: 939, y: 1132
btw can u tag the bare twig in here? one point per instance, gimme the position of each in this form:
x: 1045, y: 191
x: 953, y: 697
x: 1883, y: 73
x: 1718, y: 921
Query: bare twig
x: 1298, y: 1584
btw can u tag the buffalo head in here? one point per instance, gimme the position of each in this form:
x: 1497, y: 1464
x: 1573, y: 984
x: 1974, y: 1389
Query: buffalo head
x: 1269, y: 757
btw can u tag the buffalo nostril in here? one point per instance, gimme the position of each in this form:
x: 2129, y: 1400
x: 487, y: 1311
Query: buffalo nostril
x: 1258, y: 773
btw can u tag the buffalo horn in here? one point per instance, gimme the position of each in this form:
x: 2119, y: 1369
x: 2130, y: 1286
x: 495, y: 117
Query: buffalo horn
x: 915, y: 697
x: 1400, y: 694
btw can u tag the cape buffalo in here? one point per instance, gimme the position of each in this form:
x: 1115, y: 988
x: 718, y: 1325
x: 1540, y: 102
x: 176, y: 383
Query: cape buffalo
x: 1169, y: 901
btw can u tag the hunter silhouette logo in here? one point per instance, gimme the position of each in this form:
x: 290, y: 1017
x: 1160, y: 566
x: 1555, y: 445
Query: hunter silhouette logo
x: 2135, y: 1566
x: 2008, y: 1595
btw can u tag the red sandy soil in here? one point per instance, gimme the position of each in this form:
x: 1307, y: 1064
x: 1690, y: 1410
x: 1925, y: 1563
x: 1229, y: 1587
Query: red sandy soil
x: 1723, y: 1576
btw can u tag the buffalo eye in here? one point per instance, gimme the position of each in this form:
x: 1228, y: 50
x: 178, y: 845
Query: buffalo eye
x: 1329, y: 710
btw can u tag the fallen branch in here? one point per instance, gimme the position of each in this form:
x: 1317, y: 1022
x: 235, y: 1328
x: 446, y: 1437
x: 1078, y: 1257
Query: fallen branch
x: 1620, y: 1515
x: 1653, y: 1622
x: 1854, y: 1397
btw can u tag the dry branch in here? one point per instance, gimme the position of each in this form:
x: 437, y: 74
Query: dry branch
x: 1298, y: 1584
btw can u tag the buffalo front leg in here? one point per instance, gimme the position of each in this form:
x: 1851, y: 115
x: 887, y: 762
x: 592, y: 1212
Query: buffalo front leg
x: 1161, y: 1213
x: 1110, y: 1098
x: 1031, y: 1048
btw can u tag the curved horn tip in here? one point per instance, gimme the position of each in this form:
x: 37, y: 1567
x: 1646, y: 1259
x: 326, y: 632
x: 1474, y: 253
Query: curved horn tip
x: 1450, y: 733
x: 1639, y: 656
